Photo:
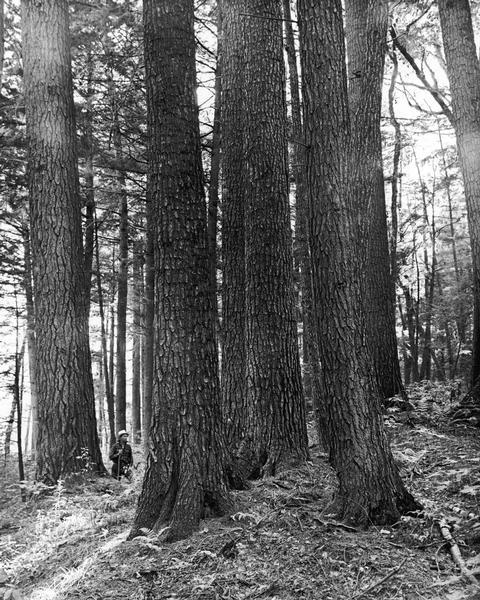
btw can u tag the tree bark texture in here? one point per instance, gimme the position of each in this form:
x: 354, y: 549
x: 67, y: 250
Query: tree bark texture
x: 233, y: 370
x: 370, y: 488
x: 185, y: 468
x: 366, y: 28
x: 66, y: 407
x: 464, y: 76
x: 274, y: 388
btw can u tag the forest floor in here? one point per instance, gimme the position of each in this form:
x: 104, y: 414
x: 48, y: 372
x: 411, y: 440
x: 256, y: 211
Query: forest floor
x: 279, y: 544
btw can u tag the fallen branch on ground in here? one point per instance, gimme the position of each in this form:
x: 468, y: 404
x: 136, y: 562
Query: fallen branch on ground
x: 455, y: 552
x: 380, y: 581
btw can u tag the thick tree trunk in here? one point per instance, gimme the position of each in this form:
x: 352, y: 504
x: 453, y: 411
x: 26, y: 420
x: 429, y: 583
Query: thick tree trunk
x: 274, y: 389
x: 185, y: 468
x: 464, y: 76
x: 366, y: 46
x: 370, y: 488
x: 233, y: 241
x: 67, y: 424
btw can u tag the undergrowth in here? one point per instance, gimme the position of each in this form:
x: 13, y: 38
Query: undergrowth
x: 279, y: 543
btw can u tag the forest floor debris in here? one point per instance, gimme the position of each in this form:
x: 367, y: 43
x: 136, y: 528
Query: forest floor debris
x: 279, y: 544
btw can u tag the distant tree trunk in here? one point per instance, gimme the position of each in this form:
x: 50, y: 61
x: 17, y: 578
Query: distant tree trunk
x: 89, y: 184
x: 430, y: 284
x: 300, y: 248
x: 397, y: 150
x: 185, y: 468
x: 233, y: 238
x: 370, y: 488
x: 10, y: 420
x: 122, y: 289
x: 137, y: 309
x: 411, y: 312
x: 17, y: 394
x: 103, y: 334
x: 276, y: 409
x: 214, y: 182
x: 461, y: 315
x: 30, y: 311
x: 63, y: 365
x: 464, y: 76
x: 111, y: 353
x: 366, y: 46
x: 148, y: 319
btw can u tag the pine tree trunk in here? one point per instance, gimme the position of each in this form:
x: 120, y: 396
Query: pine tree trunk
x: 137, y: 304
x: 464, y: 76
x: 233, y: 241
x: 461, y: 311
x: 213, y: 189
x: 103, y: 334
x: 300, y: 248
x: 366, y: 46
x: 148, y: 339
x: 122, y: 290
x: 185, y: 469
x: 29, y: 308
x: 274, y: 389
x: 370, y: 488
x: 63, y: 365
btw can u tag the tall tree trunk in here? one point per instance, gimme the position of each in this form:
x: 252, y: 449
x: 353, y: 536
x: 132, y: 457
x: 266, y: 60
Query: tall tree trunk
x: 185, y: 469
x: 137, y: 310
x: 213, y: 189
x: 397, y: 150
x: 122, y: 287
x: 461, y: 315
x: 301, y: 254
x: 63, y: 365
x: 276, y: 408
x: 148, y: 319
x: 366, y: 46
x: 429, y: 282
x: 89, y: 184
x: 370, y: 488
x: 233, y: 239
x: 411, y: 318
x: 103, y: 334
x: 464, y: 76
x: 30, y: 311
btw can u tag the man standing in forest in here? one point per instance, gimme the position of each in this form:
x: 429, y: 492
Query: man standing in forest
x: 121, y: 456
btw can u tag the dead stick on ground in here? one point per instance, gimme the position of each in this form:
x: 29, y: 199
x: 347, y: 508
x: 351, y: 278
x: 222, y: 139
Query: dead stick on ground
x: 380, y: 581
x: 455, y: 552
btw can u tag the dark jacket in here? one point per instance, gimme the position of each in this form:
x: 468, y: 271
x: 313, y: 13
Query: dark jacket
x: 122, y: 454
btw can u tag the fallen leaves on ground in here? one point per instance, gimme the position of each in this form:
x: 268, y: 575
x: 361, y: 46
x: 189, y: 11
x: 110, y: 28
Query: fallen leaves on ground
x: 280, y: 543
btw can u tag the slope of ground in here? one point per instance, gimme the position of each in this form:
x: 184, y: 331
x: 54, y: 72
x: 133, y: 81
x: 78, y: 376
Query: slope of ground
x: 279, y: 544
